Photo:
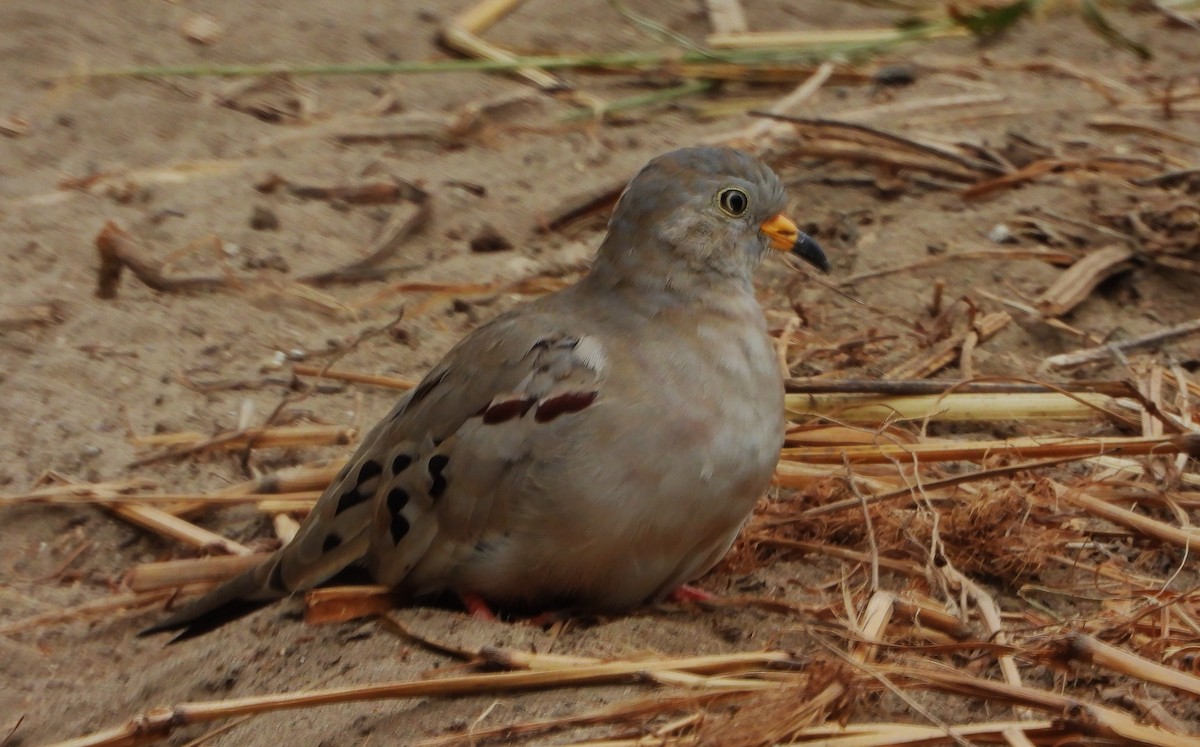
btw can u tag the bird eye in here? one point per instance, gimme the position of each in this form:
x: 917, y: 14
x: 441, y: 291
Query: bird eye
x: 733, y: 201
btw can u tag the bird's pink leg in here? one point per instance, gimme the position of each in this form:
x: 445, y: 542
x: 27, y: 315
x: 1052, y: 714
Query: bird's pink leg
x: 548, y: 618
x: 688, y: 593
x: 479, y: 609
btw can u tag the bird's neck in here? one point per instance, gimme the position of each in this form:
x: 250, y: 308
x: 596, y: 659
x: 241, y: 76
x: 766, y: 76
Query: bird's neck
x: 650, y: 291
x: 665, y: 277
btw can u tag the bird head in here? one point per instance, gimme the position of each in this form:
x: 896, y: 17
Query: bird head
x: 702, y: 214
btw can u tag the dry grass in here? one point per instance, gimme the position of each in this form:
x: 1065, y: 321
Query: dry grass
x: 937, y: 520
x: 1093, y: 501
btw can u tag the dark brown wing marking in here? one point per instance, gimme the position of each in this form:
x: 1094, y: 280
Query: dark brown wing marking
x: 507, y: 409
x: 561, y: 404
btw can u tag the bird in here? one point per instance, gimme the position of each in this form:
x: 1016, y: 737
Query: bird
x: 595, y: 449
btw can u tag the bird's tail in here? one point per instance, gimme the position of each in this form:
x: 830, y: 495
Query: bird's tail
x: 241, y: 595
x: 334, y: 538
x: 296, y: 567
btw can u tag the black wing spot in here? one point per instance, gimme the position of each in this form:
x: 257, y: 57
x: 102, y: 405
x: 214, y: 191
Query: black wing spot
x: 437, y: 463
x: 400, y: 463
x: 399, y: 528
x: 332, y: 542
x: 349, y: 500
x: 397, y: 499
x: 368, y: 472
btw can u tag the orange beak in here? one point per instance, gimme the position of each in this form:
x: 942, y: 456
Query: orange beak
x: 784, y: 236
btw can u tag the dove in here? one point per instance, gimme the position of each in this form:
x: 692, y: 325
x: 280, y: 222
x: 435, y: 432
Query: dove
x: 595, y: 449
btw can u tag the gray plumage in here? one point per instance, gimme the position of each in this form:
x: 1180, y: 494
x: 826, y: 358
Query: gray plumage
x: 594, y: 449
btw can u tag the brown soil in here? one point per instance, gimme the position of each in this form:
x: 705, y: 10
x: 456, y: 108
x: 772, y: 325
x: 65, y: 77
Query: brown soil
x: 175, y: 161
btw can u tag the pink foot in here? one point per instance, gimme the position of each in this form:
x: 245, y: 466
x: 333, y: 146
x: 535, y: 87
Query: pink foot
x: 548, y: 618
x: 688, y: 593
x: 475, y: 605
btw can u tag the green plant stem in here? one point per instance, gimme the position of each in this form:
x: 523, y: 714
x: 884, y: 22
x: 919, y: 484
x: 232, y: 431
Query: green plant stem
x: 646, y: 99
x: 551, y: 62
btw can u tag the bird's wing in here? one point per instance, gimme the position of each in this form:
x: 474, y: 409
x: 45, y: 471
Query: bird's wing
x: 421, y: 488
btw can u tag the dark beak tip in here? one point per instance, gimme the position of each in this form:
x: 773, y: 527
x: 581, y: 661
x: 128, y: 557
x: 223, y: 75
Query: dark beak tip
x: 807, y: 249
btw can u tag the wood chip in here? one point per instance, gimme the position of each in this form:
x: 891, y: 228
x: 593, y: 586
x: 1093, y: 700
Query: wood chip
x: 13, y: 318
x: 945, y: 352
x: 1116, y: 348
x: 174, y: 573
x: 726, y: 16
x: 1077, y: 282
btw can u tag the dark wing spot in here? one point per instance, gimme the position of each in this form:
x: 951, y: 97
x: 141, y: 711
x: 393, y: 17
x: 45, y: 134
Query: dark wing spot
x: 550, y: 408
x: 437, y: 463
x: 504, y: 410
x: 332, y: 542
x: 362, y: 491
x: 368, y: 471
x: 400, y: 463
x: 399, y: 527
x: 396, y: 501
x: 349, y: 500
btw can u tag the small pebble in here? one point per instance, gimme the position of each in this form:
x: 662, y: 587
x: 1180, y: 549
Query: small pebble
x: 1000, y: 234
x: 895, y: 75
x: 488, y: 239
x: 263, y: 219
x: 201, y: 29
x: 275, y: 362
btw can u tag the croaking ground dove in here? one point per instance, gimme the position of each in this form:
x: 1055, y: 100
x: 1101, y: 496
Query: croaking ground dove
x: 592, y: 450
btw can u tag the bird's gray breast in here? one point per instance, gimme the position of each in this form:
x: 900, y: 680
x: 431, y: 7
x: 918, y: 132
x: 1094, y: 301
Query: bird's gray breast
x: 611, y: 501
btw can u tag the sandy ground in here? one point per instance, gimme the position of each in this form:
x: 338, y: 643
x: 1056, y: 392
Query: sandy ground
x: 177, y: 161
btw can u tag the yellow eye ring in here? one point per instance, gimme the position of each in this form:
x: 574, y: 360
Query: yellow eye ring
x: 733, y: 201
